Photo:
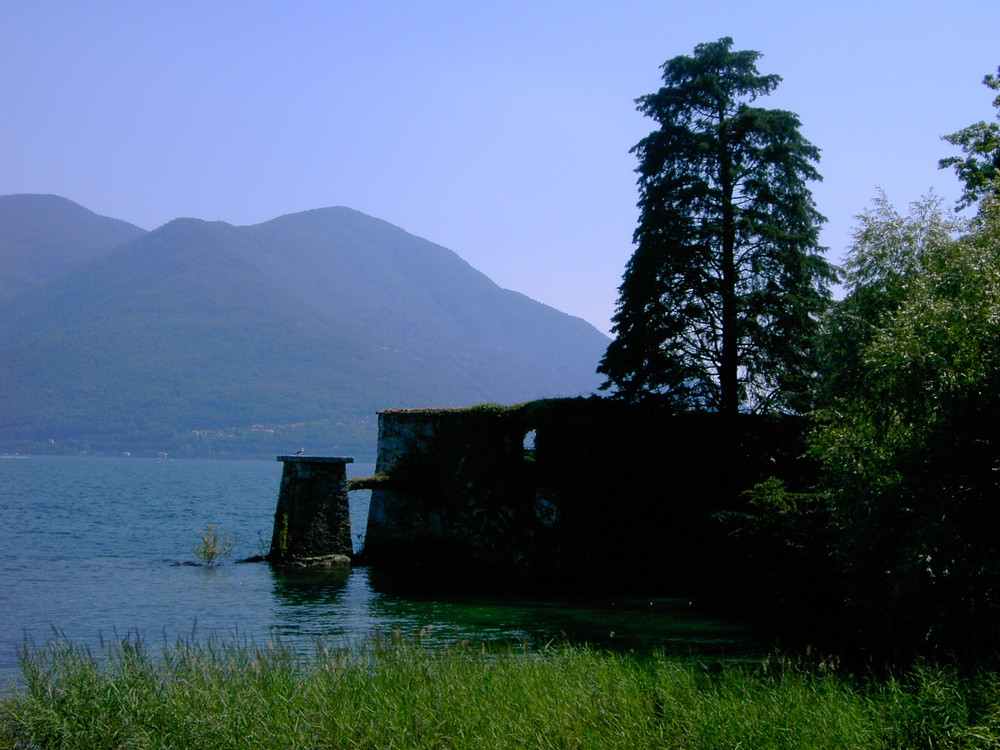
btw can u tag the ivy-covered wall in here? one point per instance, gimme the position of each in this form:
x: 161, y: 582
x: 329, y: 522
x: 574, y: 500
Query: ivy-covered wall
x: 610, y: 493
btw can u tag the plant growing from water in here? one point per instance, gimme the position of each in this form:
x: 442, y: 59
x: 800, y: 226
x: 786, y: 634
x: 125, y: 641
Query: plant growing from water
x: 214, y: 546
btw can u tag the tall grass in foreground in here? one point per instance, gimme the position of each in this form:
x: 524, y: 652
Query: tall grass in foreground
x: 396, y: 695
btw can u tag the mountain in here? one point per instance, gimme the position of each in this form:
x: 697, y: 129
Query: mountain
x: 44, y: 236
x: 203, y: 338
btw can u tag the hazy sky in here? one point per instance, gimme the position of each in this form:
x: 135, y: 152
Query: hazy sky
x: 500, y: 130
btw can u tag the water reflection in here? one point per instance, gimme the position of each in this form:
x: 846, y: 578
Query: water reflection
x: 362, y: 603
x: 304, y: 586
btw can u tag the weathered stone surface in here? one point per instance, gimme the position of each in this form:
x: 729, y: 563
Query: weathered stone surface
x: 312, y: 523
x: 458, y: 491
x: 593, y: 492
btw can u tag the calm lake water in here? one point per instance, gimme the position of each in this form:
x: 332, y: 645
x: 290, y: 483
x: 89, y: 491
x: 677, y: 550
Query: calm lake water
x: 90, y: 548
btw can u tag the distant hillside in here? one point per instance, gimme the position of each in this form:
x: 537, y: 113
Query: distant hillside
x: 44, y: 236
x: 201, y: 338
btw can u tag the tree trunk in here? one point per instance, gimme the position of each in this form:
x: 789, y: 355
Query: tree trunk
x: 729, y: 401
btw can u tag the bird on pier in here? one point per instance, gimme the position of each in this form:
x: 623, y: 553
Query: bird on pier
x: 300, y: 451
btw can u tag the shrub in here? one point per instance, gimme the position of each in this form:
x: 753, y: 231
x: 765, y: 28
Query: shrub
x: 214, y: 547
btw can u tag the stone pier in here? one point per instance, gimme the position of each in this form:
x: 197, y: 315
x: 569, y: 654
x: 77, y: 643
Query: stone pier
x: 312, y: 523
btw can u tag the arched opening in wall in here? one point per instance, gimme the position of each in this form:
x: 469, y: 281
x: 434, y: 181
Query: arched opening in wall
x: 529, y: 442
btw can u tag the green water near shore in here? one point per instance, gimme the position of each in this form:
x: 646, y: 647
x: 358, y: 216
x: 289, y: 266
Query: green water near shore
x: 91, y: 547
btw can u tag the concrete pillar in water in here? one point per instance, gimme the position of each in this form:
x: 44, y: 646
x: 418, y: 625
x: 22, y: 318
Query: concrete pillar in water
x: 312, y: 524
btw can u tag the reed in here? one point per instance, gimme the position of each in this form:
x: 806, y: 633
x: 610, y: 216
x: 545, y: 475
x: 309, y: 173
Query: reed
x: 393, y: 694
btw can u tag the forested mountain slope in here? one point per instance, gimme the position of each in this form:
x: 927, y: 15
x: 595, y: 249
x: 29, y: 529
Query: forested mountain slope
x: 203, y: 338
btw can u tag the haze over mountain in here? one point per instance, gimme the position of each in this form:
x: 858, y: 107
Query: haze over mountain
x: 203, y: 338
x: 44, y: 236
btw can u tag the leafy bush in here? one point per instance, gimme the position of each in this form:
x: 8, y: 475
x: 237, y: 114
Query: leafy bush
x: 214, y: 547
x: 910, y: 446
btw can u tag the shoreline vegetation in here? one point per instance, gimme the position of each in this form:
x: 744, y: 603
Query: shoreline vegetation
x: 393, y: 693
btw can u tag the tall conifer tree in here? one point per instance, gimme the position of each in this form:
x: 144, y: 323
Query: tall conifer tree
x: 720, y: 301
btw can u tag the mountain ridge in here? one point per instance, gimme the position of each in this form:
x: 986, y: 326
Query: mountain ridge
x: 34, y: 251
x: 317, y: 318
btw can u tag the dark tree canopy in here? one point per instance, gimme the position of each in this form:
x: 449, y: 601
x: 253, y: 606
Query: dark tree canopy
x: 980, y: 168
x: 720, y: 301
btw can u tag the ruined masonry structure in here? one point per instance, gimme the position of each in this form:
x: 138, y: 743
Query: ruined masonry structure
x: 460, y: 493
x: 592, y: 492
x: 312, y: 523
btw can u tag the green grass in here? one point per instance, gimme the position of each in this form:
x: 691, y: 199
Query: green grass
x: 397, y: 695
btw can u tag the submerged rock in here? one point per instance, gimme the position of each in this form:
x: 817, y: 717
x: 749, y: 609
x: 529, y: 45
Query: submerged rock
x: 324, y: 561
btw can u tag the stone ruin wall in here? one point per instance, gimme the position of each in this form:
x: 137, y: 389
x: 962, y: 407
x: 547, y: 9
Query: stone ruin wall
x: 611, y: 493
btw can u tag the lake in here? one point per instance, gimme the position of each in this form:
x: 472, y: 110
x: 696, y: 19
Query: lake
x: 91, y: 546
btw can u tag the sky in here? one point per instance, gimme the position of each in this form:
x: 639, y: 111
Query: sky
x: 500, y: 130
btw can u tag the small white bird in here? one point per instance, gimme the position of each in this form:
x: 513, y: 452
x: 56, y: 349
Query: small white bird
x: 300, y: 451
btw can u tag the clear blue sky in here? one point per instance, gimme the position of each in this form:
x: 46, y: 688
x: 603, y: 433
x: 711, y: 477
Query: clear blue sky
x: 500, y: 130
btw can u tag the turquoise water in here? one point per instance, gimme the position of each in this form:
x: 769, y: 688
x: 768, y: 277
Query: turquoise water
x: 90, y: 548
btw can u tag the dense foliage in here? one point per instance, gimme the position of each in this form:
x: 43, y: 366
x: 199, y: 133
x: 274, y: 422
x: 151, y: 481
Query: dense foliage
x: 908, y: 434
x: 902, y: 532
x: 720, y: 300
